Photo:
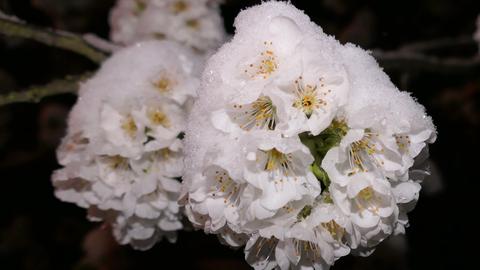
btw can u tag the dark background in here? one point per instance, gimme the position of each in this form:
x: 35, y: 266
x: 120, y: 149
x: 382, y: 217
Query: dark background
x: 39, y: 232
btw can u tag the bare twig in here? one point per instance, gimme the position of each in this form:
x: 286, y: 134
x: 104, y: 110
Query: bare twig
x: 10, y: 26
x: 70, y: 84
x: 101, y: 44
x: 440, y: 44
x: 419, y: 62
x: 420, y: 57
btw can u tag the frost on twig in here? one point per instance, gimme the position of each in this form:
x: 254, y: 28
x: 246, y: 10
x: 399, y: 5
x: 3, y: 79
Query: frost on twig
x: 13, y: 27
x: 69, y: 84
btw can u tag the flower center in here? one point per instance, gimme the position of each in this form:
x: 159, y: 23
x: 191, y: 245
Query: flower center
x: 193, y: 23
x: 336, y: 231
x: 307, y: 97
x: 277, y: 160
x: 165, y: 153
x: 117, y: 162
x: 260, y: 114
x: 362, y: 154
x: 179, y: 7
x: 226, y: 187
x: 366, y: 194
x: 129, y: 126
x: 164, y: 84
x: 158, y: 117
x: 366, y: 200
x: 265, y: 66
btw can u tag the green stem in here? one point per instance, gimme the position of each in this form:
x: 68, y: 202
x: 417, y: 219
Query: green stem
x: 67, y: 41
x: 70, y: 84
x: 320, y: 174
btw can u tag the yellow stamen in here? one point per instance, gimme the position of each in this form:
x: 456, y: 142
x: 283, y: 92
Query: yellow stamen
x: 366, y: 200
x: 307, y: 98
x: 164, y: 84
x: 226, y: 187
x: 362, y: 151
x: 129, y: 126
x: 335, y: 230
x: 193, y: 23
x: 158, y: 117
x: 277, y: 160
x: 165, y: 153
x: 261, y: 113
x: 117, y: 162
x: 366, y: 193
x: 266, y: 65
x: 179, y: 7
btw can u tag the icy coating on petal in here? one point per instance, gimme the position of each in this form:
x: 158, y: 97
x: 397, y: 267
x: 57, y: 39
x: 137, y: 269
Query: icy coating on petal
x: 298, y: 146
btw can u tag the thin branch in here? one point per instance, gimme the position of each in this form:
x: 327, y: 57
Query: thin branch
x: 418, y: 62
x: 101, y: 44
x: 440, y: 44
x: 10, y: 26
x: 420, y: 57
x: 70, y: 84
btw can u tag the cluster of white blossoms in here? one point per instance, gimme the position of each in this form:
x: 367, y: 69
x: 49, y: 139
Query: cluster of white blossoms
x: 123, y: 152
x: 299, y: 147
x: 195, y: 23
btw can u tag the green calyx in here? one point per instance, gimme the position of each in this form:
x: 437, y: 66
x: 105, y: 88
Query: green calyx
x: 319, y: 146
x: 321, y: 174
x: 305, y: 212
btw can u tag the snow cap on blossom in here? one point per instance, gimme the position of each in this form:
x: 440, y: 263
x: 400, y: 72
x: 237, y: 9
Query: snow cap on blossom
x: 298, y: 146
x: 123, y: 154
x: 195, y: 23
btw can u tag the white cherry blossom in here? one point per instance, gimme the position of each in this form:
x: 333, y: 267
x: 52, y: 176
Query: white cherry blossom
x: 123, y: 156
x: 195, y: 23
x: 301, y: 145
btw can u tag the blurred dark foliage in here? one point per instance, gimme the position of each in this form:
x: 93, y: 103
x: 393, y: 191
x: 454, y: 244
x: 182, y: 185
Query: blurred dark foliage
x: 39, y: 232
